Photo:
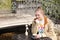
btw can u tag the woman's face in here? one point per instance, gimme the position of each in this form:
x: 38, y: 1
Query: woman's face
x: 39, y: 14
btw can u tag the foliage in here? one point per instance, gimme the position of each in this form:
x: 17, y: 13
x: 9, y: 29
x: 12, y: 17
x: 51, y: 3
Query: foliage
x: 52, y: 8
x: 5, y: 4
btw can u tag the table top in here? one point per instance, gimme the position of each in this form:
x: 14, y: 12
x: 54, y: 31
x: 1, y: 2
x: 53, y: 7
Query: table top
x: 23, y: 37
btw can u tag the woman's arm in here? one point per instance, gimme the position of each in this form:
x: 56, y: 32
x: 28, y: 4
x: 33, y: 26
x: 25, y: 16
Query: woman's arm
x: 34, y: 28
x: 50, y: 30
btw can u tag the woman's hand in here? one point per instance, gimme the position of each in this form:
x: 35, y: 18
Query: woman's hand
x: 36, y: 20
x: 38, y: 36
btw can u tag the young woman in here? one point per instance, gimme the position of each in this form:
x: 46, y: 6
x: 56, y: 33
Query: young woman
x: 42, y: 26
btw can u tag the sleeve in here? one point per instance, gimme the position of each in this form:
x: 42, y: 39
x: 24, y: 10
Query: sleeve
x: 34, y: 28
x: 50, y: 29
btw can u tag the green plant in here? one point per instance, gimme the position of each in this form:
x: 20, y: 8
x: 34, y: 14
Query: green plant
x: 51, y: 8
x: 5, y: 4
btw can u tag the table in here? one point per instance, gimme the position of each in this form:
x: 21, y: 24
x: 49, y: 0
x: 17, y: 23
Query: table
x: 23, y: 37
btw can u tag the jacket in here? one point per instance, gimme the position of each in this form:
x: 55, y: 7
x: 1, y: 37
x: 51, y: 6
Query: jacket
x: 48, y: 30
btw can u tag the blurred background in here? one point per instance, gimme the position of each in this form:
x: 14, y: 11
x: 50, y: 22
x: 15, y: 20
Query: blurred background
x: 17, y: 9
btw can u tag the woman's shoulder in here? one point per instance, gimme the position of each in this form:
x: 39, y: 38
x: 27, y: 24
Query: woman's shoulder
x: 48, y: 20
